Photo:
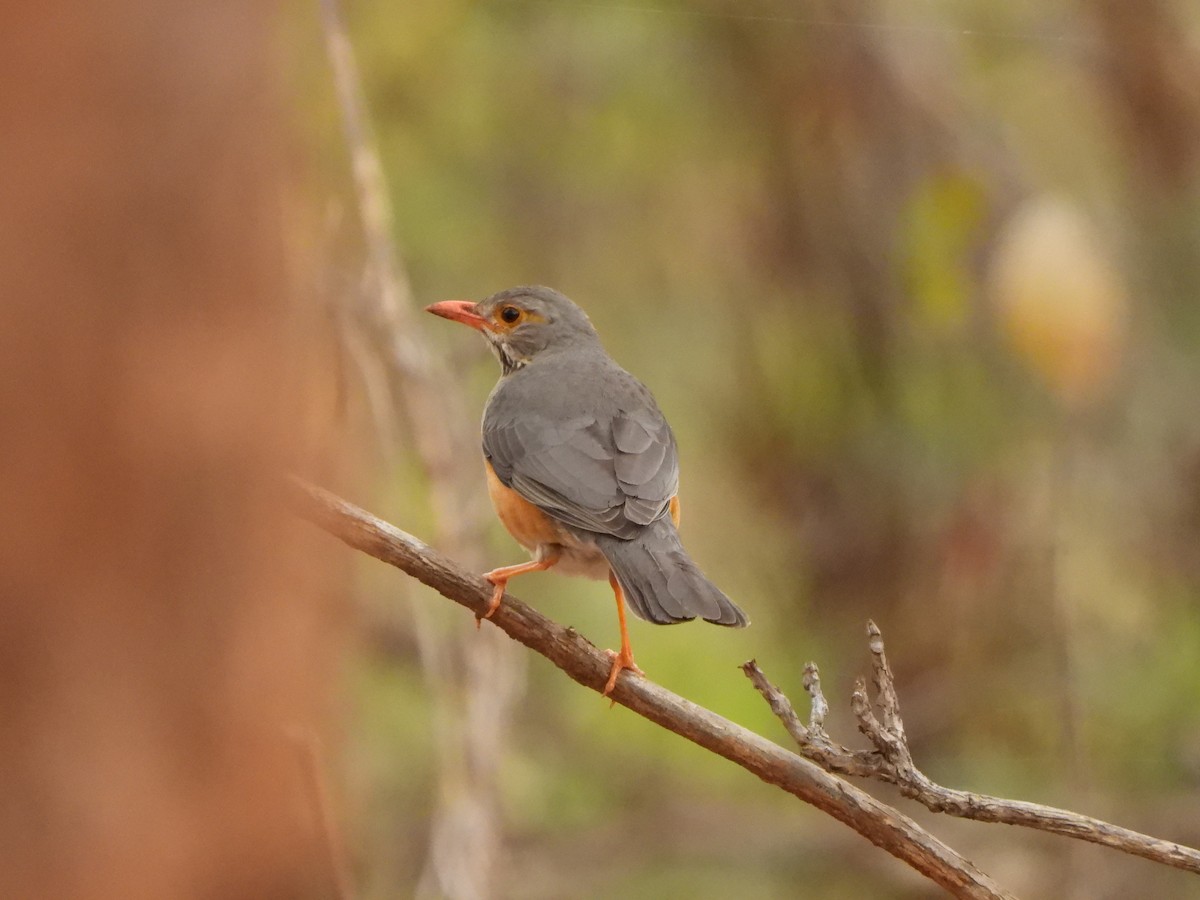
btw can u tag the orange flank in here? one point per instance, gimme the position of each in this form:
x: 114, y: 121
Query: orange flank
x: 529, y: 525
x: 524, y: 521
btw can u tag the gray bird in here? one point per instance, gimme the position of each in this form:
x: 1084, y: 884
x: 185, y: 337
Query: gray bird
x: 582, y: 466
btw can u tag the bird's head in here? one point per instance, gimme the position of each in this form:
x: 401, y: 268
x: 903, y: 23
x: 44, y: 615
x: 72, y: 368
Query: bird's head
x: 522, y: 322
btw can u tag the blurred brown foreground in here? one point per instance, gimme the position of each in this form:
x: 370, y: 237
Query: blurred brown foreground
x: 167, y: 641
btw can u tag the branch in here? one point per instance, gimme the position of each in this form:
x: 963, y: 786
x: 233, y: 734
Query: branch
x: 579, y: 659
x: 892, y: 761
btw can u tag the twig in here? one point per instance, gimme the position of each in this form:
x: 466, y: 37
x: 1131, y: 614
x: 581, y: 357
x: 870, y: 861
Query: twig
x: 580, y: 660
x: 891, y: 761
x: 814, y: 743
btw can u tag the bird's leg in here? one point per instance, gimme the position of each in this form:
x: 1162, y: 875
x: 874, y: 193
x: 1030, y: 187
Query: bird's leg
x: 499, y: 577
x: 624, y: 658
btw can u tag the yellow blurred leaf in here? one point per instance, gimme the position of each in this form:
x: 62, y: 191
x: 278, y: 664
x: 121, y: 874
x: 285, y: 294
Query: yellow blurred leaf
x: 1062, y: 304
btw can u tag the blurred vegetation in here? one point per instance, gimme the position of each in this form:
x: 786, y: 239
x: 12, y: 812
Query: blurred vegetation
x: 916, y: 283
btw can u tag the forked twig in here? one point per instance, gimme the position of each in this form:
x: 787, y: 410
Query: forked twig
x: 891, y: 761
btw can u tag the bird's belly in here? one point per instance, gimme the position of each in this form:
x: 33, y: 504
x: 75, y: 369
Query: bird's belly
x: 542, y: 536
x: 578, y: 558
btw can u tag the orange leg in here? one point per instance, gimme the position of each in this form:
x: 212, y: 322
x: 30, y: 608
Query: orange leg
x: 499, y: 577
x: 623, y: 659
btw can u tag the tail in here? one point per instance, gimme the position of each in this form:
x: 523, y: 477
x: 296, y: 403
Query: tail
x: 661, y: 582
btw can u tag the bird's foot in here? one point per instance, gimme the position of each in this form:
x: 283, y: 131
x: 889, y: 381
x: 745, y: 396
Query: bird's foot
x: 620, y: 661
x: 497, y: 595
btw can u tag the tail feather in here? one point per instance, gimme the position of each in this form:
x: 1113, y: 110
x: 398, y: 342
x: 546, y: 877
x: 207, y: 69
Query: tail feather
x: 662, y: 584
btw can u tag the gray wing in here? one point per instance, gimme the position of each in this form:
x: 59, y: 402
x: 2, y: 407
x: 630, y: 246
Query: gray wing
x: 611, y: 473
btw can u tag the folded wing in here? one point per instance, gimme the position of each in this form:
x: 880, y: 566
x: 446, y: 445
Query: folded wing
x: 612, y: 473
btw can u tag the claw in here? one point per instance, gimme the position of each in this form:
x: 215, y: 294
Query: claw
x: 624, y: 658
x: 620, y: 662
x: 497, y: 595
x: 499, y: 577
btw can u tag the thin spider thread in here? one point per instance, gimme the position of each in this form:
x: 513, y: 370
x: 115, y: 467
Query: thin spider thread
x: 910, y: 28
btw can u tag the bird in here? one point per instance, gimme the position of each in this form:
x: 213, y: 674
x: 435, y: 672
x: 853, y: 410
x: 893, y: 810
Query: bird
x: 582, y: 467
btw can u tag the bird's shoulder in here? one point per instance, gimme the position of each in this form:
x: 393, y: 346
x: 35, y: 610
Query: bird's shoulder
x: 562, y: 389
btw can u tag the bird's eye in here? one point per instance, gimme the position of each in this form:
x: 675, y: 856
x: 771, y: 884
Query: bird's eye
x: 509, y: 314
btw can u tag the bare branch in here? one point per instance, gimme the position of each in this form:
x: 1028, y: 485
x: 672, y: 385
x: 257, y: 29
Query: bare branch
x: 889, y: 703
x: 812, y: 684
x: 579, y: 659
x: 891, y: 761
x: 813, y: 741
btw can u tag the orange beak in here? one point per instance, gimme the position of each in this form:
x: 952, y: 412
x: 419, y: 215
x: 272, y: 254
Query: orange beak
x: 459, y: 311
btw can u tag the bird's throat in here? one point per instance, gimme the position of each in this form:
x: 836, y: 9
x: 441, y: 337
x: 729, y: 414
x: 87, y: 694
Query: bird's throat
x: 509, y: 361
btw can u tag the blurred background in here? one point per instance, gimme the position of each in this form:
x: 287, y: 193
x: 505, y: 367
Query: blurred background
x: 916, y: 284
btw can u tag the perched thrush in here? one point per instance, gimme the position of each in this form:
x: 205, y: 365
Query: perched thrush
x: 582, y: 467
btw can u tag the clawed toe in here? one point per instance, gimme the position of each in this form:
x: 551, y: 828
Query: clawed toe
x: 499, y: 577
x: 620, y: 662
x: 497, y: 595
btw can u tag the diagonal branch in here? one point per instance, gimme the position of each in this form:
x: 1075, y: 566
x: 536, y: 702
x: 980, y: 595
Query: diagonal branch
x: 891, y: 761
x: 580, y: 660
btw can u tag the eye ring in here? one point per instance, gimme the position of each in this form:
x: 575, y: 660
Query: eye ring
x: 509, y: 315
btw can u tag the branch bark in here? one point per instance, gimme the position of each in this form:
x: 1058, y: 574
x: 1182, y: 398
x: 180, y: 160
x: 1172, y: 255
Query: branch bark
x: 583, y: 662
x: 891, y: 761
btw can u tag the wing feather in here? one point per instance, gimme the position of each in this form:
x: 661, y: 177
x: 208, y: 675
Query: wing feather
x: 613, y: 472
